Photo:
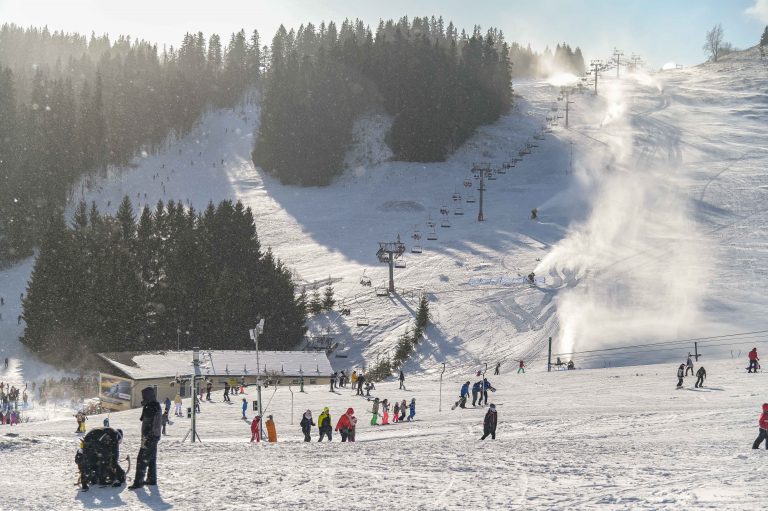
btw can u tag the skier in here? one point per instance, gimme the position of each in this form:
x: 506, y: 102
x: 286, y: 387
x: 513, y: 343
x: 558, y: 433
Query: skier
x: 402, y: 380
x: 689, y: 365
x: 395, y: 412
x: 344, y: 425
x: 245, y: 407
x: 680, y: 375
x: 255, y: 429
x: 226, y: 392
x: 701, y: 375
x: 353, y: 422
x: 306, y: 425
x: 271, y: 431
x: 208, y: 387
x: 521, y: 367
x: 177, y: 402
x: 333, y: 380
x: 498, y: 367
x: 375, y: 412
x: 412, y: 412
x: 489, y: 423
x: 403, y: 408
x: 476, y: 389
x: 763, y: 429
x: 384, y: 412
x: 151, y: 429
x: 360, y: 382
x: 753, y: 361
x: 324, y: 424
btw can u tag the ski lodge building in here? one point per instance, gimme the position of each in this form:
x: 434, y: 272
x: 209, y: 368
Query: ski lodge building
x: 122, y: 375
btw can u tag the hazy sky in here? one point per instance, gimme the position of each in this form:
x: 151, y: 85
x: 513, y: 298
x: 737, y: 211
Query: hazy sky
x: 659, y: 30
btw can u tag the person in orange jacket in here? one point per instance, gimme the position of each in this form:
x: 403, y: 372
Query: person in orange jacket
x: 255, y: 429
x: 271, y: 432
x: 763, y: 429
x: 344, y: 425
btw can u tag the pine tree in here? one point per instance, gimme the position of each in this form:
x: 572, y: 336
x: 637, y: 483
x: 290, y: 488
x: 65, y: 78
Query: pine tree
x: 764, y: 37
x: 422, y: 316
x: 328, y: 300
x: 315, y: 302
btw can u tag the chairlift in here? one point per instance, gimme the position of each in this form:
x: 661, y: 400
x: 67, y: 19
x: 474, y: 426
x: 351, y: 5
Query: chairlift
x: 470, y: 199
x: 445, y: 222
x: 416, y: 236
x: 430, y: 222
x: 468, y: 183
x: 400, y: 262
x: 416, y: 249
x: 502, y: 169
x: 432, y: 235
x: 382, y: 291
x: 365, y: 280
x: 362, y: 319
x: 492, y: 175
x: 456, y: 196
x: 444, y: 210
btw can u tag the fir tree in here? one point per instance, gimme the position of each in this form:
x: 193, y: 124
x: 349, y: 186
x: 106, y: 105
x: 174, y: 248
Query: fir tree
x: 315, y: 302
x: 328, y: 300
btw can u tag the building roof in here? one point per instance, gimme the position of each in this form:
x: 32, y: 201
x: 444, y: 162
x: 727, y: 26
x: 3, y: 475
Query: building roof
x: 142, y: 365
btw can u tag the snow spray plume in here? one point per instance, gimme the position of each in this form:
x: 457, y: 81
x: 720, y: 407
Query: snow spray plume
x: 636, y: 269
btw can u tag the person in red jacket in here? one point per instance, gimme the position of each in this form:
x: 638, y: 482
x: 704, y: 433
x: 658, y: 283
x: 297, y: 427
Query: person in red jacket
x: 763, y: 428
x: 753, y: 361
x: 344, y: 425
x: 255, y: 429
x: 521, y: 367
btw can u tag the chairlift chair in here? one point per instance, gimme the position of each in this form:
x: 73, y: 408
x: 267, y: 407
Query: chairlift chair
x: 362, y: 319
x: 468, y: 183
x: 416, y: 249
x: 470, y: 199
x: 445, y: 222
x: 400, y: 262
x: 432, y: 235
x: 365, y: 280
x: 458, y: 210
x: 444, y: 210
x: 502, y: 169
x: 382, y: 291
x: 456, y: 196
x: 430, y: 222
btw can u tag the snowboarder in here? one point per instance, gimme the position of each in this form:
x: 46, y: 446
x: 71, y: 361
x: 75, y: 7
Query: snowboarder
x: 753, y: 361
x: 306, y: 425
x: 245, y: 407
x: 701, y: 375
x: 402, y: 380
x: 689, y: 365
x: 177, y: 402
x: 521, y: 367
x: 680, y: 375
x: 498, y: 367
x: 344, y: 425
x: 464, y: 394
x: 271, y: 431
x: 256, y: 429
x: 151, y: 430
x: 763, y: 429
x: 489, y: 423
x: 476, y: 389
x: 412, y: 412
x: 375, y: 412
x: 324, y: 424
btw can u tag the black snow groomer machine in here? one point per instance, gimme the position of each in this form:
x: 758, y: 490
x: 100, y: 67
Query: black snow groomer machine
x: 98, y: 458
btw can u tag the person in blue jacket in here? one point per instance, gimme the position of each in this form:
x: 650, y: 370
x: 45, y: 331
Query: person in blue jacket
x: 245, y: 407
x: 476, y: 389
x: 412, y: 407
x: 463, y: 395
x: 485, y: 386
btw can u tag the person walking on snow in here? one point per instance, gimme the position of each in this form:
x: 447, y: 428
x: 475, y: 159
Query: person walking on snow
x: 402, y: 380
x: 344, y: 426
x: 395, y: 412
x: 680, y: 375
x: 151, y: 430
x: 226, y: 392
x: 753, y: 361
x: 271, y: 431
x: 375, y: 412
x: 486, y: 385
x: 498, y: 367
x: 476, y: 389
x: 245, y: 407
x: 489, y: 423
x: 360, y: 382
x: 306, y: 425
x: 464, y: 395
x: 412, y: 411
x: 521, y: 367
x: 167, y: 404
x: 701, y: 375
x: 689, y: 365
x: 763, y: 423
x: 177, y: 402
x: 324, y: 424
x: 403, y: 407
x: 256, y: 429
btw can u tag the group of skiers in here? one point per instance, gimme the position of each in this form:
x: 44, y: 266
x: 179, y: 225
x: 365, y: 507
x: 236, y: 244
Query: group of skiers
x: 682, y: 372
x: 479, y: 390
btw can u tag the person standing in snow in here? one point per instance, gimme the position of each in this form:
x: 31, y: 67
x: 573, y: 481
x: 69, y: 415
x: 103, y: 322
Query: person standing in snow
x: 402, y: 380
x: 753, y: 361
x: 384, y: 412
x: 680, y: 375
x: 167, y: 404
x: 165, y: 421
x: 489, y: 423
x: 521, y: 367
x: 701, y: 375
x: 486, y: 385
x: 763, y: 423
x: 208, y: 387
x: 689, y: 365
x: 344, y: 425
x: 333, y: 380
x: 395, y: 412
x: 226, y: 392
x: 375, y: 412
x: 177, y: 401
x: 245, y: 408
x: 463, y: 395
x: 353, y: 423
x: 324, y: 424
x: 360, y: 382
x: 498, y: 367
x: 353, y: 379
x: 151, y: 430
x: 256, y: 429
x: 306, y: 425
x: 403, y: 408
x: 476, y: 389
x: 271, y: 431
x: 412, y: 409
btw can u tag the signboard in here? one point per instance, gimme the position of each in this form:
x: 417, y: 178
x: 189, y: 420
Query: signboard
x: 112, y: 387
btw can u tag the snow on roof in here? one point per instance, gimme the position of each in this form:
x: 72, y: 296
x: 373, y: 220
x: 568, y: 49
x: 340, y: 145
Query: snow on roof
x: 163, y: 364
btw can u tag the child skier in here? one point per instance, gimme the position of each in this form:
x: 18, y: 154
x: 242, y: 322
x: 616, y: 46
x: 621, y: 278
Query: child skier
x: 353, y: 422
x: 344, y: 426
x: 245, y: 407
x: 763, y: 428
x: 324, y: 424
x: 375, y: 412
x: 701, y: 375
x: 256, y: 429
x: 412, y: 413
x: 306, y: 425
x: 384, y: 412
x: 271, y: 431
x: 403, y: 408
x: 520, y: 368
x: 680, y: 375
x: 489, y: 423
x: 395, y: 412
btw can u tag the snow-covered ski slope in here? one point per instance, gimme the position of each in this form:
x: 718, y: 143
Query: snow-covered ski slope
x: 657, y: 234
x: 620, y: 438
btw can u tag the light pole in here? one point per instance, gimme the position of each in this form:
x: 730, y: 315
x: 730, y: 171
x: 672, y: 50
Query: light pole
x: 178, y: 333
x: 255, y: 336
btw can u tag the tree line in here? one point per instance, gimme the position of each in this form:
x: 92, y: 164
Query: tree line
x: 437, y: 83
x: 527, y: 63
x: 115, y: 283
x: 72, y: 105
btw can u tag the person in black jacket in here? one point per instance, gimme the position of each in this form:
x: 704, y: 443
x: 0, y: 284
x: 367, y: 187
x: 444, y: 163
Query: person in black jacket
x: 701, y: 375
x: 489, y: 424
x: 402, y: 380
x: 306, y: 425
x: 151, y: 427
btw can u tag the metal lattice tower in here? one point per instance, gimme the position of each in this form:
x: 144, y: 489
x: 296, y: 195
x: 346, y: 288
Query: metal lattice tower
x: 387, y: 253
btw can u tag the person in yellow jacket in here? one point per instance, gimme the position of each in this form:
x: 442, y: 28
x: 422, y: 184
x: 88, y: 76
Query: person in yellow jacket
x: 324, y: 424
x: 353, y: 378
x: 271, y: 432
x: 177, y: 402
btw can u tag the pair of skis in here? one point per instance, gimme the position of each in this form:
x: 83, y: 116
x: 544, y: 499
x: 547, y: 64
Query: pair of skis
x: 127, y: 472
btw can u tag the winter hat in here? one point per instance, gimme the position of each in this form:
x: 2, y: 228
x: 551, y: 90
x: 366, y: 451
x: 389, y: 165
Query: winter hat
x: 147, y: 395
x: 308, y: 414
x: 493, y: 407
x: 765, y: 407
x: 269, y: 417
x: 350, y: 411
x: 326, y: 409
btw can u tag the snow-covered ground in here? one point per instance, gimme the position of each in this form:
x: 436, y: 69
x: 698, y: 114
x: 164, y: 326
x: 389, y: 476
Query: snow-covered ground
x: 621, y: 438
